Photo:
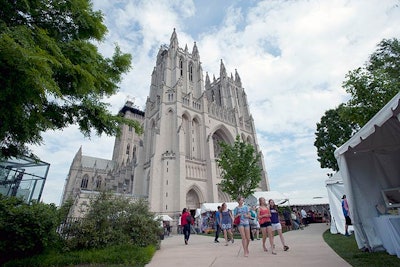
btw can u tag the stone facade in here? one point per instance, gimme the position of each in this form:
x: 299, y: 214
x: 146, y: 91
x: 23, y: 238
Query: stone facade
x: 173, y: 162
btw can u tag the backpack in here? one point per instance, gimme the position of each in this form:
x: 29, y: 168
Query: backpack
x: 189, y: 219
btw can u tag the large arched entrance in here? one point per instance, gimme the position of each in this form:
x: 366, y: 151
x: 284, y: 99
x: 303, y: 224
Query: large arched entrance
x: 192, y: 200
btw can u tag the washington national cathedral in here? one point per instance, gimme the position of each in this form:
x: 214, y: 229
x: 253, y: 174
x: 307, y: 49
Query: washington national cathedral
x: 173, y: 163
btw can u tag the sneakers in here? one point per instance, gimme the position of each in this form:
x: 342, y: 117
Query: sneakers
x: 285, y: 248
x: 216, y: 241
x: 186, y: 242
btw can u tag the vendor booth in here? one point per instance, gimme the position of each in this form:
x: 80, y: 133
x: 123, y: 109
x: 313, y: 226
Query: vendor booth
x: 369, y: 164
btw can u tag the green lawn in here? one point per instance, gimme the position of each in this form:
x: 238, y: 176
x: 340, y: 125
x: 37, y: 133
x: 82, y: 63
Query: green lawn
x: 121, y: 256
x: 346, y: 247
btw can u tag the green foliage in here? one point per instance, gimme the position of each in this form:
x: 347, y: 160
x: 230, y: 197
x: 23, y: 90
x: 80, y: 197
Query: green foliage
x: 332, y: 132
x: 346, y: 248
x: 370, y: 88
x: 374, y: 85
x: 64, y: 210
x: 114, y: 220
x: 240, y: 168
x: 53, y: 73
x: 26, y: 229
x: 122, y: 255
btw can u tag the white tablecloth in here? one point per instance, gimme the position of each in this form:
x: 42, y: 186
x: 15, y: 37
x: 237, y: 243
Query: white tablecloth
x: 388, y: 229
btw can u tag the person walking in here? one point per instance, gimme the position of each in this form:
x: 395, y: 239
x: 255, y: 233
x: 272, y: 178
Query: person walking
x: 243, y: 212
x: 275, y: 222
x: 179, y: 229
x: 304, y: 218
x: 186, y: 222
x: 217, y: 224
x: 346, y: 213
x: 254, y: 224
x: 264, y: 218
x: 288, y: 219
x: 226, y: 221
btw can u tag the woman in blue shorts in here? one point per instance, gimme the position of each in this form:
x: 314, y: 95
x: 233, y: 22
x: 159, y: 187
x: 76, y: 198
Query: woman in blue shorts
x: 243, y: 212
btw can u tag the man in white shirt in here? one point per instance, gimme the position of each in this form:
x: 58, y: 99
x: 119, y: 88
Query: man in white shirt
x: 304, y: 216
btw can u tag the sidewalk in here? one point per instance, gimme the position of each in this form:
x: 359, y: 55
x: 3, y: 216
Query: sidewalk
x: 307, y: 248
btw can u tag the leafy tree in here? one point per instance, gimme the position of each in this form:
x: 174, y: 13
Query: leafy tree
x: 240, y: 168
x: 114, y: 220
x: 374, y: 85
x: 370, y: 88
x: 332, y: 132
x: 51, y: 74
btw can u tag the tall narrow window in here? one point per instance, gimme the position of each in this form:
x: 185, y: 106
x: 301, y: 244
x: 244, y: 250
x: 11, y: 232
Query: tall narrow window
x: 85, y: 182
x: 191, y: 72
x: 128, y: 148
x: 181, y: 66
x: 98, y: 184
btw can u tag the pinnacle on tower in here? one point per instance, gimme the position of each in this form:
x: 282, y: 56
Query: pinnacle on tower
x: 237, y: 78
x: 208, y: 83
x: 174, y: 40
x: 195, y: 51
x: 222, y: 70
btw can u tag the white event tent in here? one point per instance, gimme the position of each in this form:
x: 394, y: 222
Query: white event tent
x: 306, y: 201
x: 335, y: 188
x: 369, y: 162
x: 278, y: 198
x: 213, y: 206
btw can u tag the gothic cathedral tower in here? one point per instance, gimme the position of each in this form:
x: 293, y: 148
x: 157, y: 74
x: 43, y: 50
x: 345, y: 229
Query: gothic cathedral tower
x: 185, y: 118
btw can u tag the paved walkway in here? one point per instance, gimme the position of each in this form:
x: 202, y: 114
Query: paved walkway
x: 307, y: 248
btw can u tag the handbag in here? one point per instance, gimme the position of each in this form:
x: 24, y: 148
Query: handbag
x: 236, y: 221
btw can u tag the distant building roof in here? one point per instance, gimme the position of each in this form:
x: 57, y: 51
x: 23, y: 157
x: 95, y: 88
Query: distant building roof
x: 130, y: 107
x: 99, y: 163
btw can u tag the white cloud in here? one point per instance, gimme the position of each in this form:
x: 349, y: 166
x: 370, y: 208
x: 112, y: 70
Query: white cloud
x: 292, y: 57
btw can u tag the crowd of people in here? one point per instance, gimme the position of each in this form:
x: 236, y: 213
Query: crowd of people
x: 250, y: 222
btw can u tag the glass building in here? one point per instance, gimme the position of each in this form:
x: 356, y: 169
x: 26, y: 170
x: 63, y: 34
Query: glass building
x: 23, y: 177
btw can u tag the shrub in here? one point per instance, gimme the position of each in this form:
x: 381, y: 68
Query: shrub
x: 25, y: 229
x: 113, y: 220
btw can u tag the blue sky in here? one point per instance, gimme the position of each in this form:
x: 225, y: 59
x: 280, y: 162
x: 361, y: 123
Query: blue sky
x: 292, y: 57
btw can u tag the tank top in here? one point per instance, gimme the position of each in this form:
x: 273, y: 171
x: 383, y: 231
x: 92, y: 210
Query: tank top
x: 274, y: 216
x: 264, y: 211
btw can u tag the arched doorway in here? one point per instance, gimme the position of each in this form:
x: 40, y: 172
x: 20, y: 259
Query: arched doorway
x: 192, y: 200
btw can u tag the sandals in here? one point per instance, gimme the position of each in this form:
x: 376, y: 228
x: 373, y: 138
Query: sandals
x: 285, y: 248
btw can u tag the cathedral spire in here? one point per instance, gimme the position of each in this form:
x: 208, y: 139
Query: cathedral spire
x: 174, y: 40
x: 237, y: 78
x: 207, y: 81
x: 195, y: 51
x: 222, y: 70
x: 78, y: 154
